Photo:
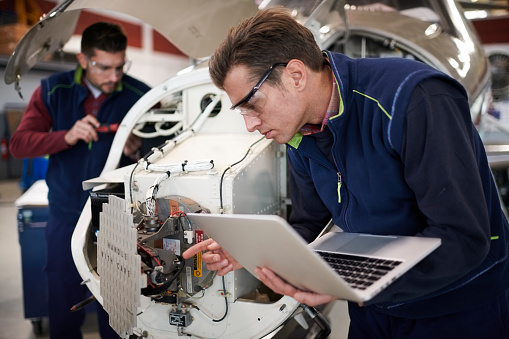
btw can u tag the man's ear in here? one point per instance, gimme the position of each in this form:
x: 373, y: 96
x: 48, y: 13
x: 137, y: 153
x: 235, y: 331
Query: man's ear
x: 298, y: 73
x: 82, y: 59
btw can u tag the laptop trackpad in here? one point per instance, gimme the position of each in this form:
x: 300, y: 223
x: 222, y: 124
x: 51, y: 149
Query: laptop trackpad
x: 332, y: 241
x: 352, y: 243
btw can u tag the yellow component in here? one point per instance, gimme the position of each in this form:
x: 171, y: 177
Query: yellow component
x: 198, y: 269
x: 199, y: 236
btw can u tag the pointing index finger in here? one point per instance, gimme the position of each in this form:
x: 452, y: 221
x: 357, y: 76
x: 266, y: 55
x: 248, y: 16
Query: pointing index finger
x: 195, y: 249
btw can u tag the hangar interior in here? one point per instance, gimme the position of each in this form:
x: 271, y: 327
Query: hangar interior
x: 256, y: 186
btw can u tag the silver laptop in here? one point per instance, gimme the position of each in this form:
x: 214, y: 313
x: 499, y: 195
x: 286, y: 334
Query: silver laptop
x: 361, y: 266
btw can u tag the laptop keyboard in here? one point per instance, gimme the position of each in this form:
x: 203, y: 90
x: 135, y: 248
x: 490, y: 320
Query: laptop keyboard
x: 358, y: 272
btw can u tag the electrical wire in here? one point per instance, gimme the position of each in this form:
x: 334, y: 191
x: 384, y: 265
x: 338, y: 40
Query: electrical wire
x: 150, y: 200
x: 168, y: 145
x: 228, y: 168
x: 226, y: 310
x: 166, y: 285
x: 144, y: 158
x: 169, y: 131
x: 184, y: 215
x: 186, y: 166
x: 226, y: 304
x: 188, y: 132
x: 131, y: 186
x: 153, y: 257
x: 221, y: 204
x: 159, y: 131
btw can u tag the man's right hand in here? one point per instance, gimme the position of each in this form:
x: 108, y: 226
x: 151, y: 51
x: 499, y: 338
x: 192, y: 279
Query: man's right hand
x: 278, y: 285
x: 216, y: 258
x: 83, y: 129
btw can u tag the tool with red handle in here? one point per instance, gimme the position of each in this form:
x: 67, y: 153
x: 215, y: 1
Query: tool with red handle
x: 107, y: 128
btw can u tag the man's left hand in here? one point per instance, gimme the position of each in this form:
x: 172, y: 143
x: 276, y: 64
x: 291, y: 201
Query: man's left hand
x: 275, y: 283
x: 132, y: 147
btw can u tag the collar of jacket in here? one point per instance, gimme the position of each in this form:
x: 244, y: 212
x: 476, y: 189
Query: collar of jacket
x: 308, y: 148
x: 297, y: 138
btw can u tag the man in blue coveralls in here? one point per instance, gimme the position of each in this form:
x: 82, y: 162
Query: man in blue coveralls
x: 380, y: 146
x: 62, y: 120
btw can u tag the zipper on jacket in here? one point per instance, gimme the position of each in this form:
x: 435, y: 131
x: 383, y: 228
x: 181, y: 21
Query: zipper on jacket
x: 339, y: 186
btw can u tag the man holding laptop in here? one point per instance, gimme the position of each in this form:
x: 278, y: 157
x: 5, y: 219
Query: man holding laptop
x: 380, y: 146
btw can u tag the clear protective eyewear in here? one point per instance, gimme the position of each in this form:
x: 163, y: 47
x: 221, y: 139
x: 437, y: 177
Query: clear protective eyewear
x: 99, y: 68
x: 251, y: 105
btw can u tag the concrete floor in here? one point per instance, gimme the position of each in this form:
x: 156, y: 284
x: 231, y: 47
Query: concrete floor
x: 13, y: 324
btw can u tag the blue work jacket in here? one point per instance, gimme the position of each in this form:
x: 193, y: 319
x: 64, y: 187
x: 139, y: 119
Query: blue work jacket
x: 363, y: 186
x: 63, y: 95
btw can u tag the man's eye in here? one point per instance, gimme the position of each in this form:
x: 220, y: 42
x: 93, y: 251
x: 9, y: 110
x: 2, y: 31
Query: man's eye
x: 248, y: 106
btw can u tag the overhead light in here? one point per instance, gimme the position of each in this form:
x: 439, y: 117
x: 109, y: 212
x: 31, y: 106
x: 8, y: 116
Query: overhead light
x: 477, y: 14
x: 325, y: 29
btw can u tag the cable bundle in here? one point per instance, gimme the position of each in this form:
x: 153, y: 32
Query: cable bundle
x: 186, y: 166
x: 168, y: 169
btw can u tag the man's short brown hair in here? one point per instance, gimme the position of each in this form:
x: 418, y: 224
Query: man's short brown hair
x: 269, y: 37
x: 104, y: 36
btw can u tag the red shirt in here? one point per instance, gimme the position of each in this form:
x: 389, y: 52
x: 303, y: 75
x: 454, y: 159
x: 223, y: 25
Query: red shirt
x: 34, y: 135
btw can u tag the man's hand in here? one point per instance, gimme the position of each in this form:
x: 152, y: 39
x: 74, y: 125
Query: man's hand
x: 216, y: 258
x: 275, y: 283
x: 83, y: 129
x: 132, y: 147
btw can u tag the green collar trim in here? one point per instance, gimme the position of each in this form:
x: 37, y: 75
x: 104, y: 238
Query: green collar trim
x: 296, y: 140
x: 377, y: 102
x: 78, y: 75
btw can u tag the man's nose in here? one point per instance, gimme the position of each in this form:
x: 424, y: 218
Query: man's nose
x: 251, y: 122
x: 114, y: 76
